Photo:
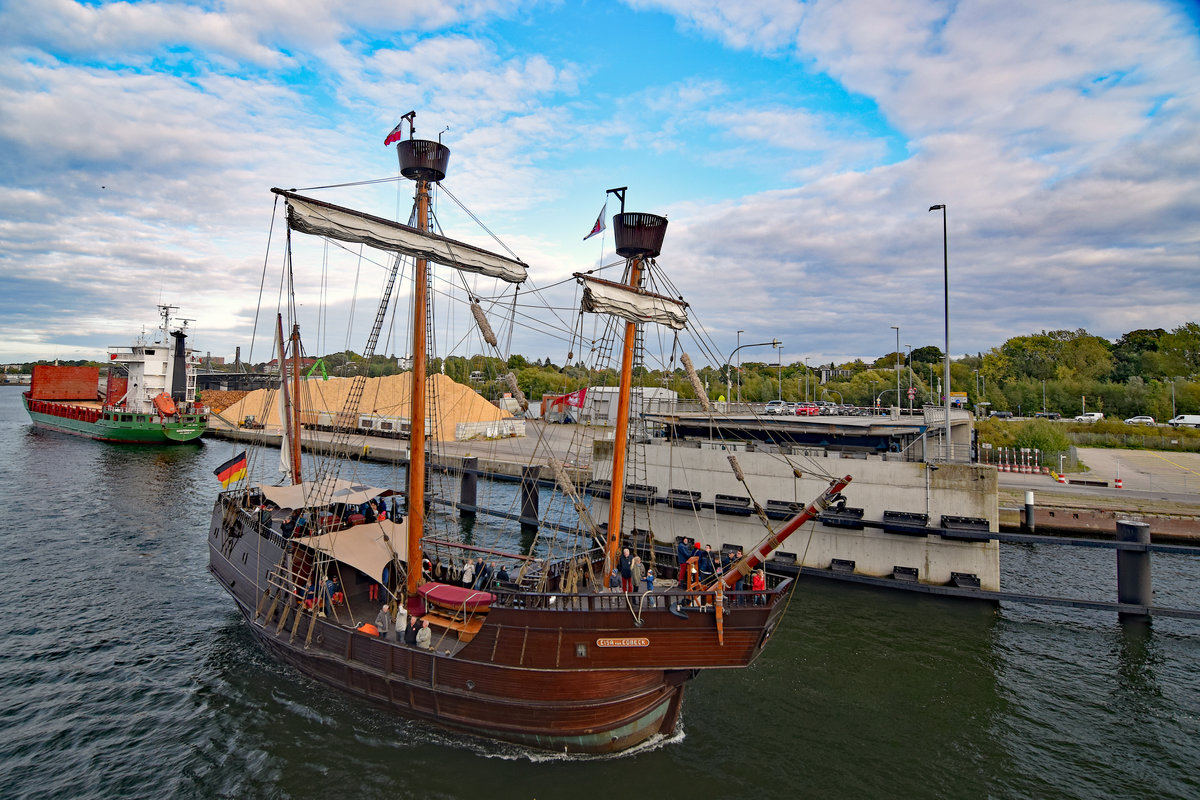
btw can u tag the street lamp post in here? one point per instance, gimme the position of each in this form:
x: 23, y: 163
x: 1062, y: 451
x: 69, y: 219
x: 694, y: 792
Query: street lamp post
x: 946, y: 284
x: 908, y: 367
x: 806, y: 380
x: 873, y: 392
x: 728, y: 361
x: 896, y: 328
x: 739, y: 367
x: 779, y: 353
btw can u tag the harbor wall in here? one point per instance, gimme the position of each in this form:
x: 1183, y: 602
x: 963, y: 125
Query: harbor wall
x: 962, y: 490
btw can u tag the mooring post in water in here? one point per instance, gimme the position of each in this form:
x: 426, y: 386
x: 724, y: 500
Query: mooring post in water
x: 1029, y: 525
x: 529, y: 497
x: 1133, y: 569
x: 468, y: 490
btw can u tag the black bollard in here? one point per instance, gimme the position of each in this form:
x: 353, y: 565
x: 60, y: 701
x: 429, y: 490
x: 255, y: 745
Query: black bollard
x: 529, y: 498
x: 1133, y: 569
x: 1029, y: 524
x: 469, y: 488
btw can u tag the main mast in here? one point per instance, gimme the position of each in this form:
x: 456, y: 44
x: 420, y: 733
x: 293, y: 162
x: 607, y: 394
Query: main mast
x: 424, y: 162
x: 638, y: 237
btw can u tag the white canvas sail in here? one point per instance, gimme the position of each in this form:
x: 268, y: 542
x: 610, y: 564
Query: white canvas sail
x: 633, y: 305
x: 325, y: 219
x: 285, y: 449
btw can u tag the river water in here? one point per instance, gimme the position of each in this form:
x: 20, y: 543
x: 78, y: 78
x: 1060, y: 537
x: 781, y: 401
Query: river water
x: 126, y: 672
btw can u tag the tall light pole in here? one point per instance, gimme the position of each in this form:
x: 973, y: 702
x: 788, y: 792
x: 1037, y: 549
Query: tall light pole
x: 806, y: 381
x: 908, y: 367
x: 772, y: 343
x: 779, y: 353
x: 946, y: 280
x: 739, y: 367
x: 896, y: 328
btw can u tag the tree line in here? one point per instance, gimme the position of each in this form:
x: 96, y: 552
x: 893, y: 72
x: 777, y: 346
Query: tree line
x: 1146, y: 371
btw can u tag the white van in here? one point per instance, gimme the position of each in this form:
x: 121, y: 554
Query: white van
x: 1185, y: 421
x: 1090, y: 416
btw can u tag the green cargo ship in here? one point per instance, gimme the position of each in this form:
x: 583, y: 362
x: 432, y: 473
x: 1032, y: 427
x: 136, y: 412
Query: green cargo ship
x: 148, y: 396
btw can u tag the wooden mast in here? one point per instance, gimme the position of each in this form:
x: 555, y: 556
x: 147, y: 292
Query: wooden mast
x: 416, y: 438
x: 621, y: 432
x: 295, y: 419
x: 291, y: 436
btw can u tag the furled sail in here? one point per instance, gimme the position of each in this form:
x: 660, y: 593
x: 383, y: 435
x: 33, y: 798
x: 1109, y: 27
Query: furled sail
x: 633, y: 305
x: 336, y: 222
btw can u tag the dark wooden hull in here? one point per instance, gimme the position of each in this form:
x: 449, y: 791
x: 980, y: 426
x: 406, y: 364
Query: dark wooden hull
x: 566, y: 672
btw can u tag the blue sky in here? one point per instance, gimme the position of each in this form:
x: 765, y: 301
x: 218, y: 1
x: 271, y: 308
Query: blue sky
x: 795, y: 147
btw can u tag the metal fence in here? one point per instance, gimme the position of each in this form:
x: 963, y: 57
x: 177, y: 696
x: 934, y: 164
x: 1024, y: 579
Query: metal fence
x: 1136, y: 440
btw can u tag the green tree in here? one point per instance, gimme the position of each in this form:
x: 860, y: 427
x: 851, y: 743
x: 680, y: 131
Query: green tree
x: 1181, y: 349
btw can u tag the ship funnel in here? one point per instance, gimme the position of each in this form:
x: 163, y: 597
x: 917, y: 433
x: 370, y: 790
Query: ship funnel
x: 422, y: 159
x: 639, y: 235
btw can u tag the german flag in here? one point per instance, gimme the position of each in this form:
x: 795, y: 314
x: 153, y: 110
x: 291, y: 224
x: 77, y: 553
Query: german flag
x: 232, y: 470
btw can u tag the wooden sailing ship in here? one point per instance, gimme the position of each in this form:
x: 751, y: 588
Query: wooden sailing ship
x: 549, y: 659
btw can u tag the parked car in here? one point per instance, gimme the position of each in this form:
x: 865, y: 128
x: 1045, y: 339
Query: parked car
x: 778, y: 407
x: 1185, y: 421
x: 1048, y: 415
x: 807, y: 410
x: 1140, y: 419
x: 1090, y: 416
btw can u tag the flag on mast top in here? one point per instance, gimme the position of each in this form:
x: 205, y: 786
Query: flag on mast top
x: 599, y: 226
x: 395, y: 135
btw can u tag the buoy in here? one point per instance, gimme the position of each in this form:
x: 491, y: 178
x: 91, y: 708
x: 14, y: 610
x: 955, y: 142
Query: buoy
x: 1119, y: 484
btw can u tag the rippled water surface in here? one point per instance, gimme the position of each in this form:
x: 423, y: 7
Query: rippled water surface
x: 126, y: 672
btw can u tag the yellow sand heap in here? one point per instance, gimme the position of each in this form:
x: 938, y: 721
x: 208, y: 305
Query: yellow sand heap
x: 448, y: 404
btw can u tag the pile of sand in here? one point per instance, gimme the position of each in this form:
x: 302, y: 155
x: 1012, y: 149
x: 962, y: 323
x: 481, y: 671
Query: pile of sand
x: 220, y: 399
x: 447, y: 403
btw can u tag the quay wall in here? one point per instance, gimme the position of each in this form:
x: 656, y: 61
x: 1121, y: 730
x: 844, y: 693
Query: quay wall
x: 963, y: 490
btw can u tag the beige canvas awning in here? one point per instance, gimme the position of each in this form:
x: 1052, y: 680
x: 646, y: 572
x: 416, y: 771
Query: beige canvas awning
x: 368, y: 547
x: 310, y: 493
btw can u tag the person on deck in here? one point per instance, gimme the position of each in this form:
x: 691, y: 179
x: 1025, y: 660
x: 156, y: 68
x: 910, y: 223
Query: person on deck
x: 707, y: 569
x: 410, y: 633
x: 401, y: 621
x: 380, y: 509
x: 381, y: 621
x: 759, y: 584
x: 483, y: 578
x: 367, y: 509
x: 637, y: 572
x: 425, y: 636
x: 502, y: 574
x: 289, y: 525
x: 468, y: 574
x: 625, y: 566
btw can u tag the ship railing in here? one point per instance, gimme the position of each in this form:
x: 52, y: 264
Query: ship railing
x: 659, y: 598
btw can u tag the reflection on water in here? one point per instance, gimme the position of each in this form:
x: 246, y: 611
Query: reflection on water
x: 127, y: 672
